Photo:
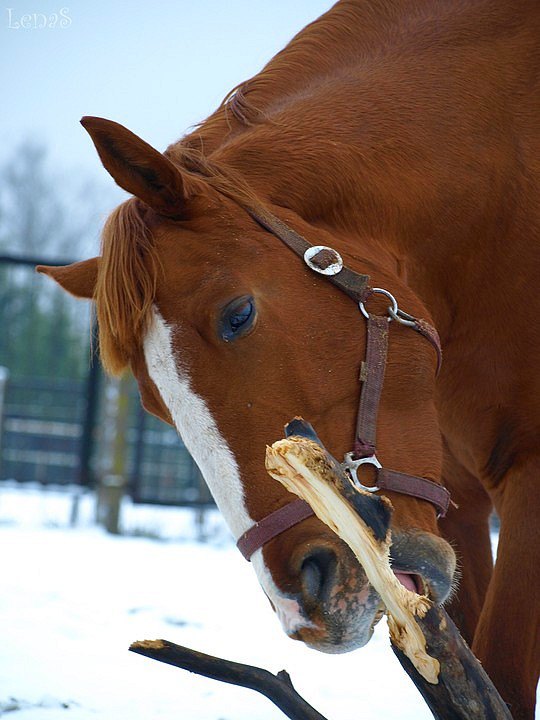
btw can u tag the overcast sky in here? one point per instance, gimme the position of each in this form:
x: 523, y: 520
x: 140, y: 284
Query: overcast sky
x: 156, y: 67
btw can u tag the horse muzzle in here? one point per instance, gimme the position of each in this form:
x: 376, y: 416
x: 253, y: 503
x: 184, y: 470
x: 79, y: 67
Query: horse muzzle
x: 340, y: 606
x: 335, y: 608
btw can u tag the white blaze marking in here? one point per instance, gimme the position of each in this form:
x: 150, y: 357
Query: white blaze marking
x: 210, y: 451
x: 196, y: 426
x: 287, y: 609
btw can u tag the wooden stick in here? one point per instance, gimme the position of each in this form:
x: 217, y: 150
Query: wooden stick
x: 277, y: 688
x: 426, y: 642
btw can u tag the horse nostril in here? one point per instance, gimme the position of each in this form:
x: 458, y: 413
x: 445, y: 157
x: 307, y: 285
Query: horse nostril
x: 317, y: 574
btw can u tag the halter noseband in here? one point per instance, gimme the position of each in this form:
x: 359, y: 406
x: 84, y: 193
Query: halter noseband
x: 327, y: 262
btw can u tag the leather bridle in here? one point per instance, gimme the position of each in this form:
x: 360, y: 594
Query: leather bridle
x: 327, y: 262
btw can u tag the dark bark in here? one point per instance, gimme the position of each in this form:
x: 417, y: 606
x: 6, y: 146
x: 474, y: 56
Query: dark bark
x: 464, y: 690
x: 277, y: 688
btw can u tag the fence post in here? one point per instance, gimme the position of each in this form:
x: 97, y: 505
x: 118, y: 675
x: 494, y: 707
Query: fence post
x: 113, y: 476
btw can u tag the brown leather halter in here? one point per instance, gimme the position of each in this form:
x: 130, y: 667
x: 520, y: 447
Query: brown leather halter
x: 326, y: 261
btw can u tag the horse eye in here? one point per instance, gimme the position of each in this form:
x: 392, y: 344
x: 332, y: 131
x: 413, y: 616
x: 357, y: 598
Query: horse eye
x: 237, y: 318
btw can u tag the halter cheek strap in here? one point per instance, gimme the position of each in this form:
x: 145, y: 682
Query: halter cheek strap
x: 365, y: 444
x: 327, y: 262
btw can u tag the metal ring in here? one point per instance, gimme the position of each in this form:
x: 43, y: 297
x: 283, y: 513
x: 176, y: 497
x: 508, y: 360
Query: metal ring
x: 402, y: 317
x: 392, y: 309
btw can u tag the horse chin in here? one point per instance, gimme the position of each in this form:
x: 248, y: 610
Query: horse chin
x: 345, y: 612
x: 343, y: 633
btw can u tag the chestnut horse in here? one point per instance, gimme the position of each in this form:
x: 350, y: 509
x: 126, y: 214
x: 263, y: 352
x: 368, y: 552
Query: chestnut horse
x: 406, y: 136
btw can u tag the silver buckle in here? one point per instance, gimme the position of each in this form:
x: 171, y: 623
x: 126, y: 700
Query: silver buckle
x: 351, y: 466
x: 334, y: 261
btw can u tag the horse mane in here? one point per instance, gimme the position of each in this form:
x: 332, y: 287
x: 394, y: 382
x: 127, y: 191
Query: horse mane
x: 126, y: 284
x: 240, y: 107
x: 214, y: 174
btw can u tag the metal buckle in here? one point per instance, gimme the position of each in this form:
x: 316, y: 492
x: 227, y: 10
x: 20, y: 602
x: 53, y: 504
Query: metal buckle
x: 331, y: 262
x: 351, y: 466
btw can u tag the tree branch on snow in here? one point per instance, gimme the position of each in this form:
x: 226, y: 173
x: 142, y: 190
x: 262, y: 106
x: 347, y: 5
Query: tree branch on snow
x: 277, y: 688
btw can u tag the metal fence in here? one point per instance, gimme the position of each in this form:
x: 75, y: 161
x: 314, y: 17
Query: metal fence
x: 42, y: 430
x: 52, y: 428
x: 160, y: 468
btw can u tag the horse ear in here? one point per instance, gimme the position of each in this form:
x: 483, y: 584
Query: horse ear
x: 138, y: 167
x: 79, y: 279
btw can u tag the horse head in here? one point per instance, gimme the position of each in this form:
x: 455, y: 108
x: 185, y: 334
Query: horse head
x: 229, y: 335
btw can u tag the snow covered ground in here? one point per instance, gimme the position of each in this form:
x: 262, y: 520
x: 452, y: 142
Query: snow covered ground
x: 72, y: 600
